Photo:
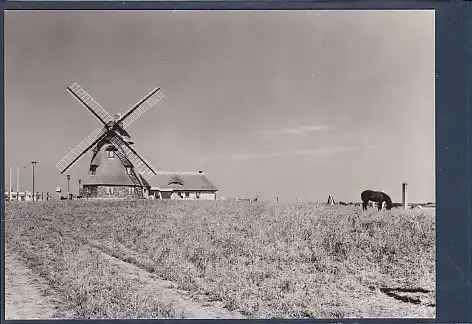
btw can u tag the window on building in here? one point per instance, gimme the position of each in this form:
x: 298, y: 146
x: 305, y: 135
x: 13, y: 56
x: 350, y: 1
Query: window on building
x: 187, y: 194
x: 110, y: 190
x: 110, y: 154
x: 130, y: 190
x: 93, y: 169
x: 197, y: 195
x: 128, y: 170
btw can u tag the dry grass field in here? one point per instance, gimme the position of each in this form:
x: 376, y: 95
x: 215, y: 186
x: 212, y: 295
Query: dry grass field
x: 258, y: 260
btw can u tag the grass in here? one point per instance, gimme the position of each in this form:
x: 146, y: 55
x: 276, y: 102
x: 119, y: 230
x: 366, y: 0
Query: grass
x: 265, y: 260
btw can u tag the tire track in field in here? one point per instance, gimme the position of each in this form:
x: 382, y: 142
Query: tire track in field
x: 24, y: 297
x: 162, y: 288
x: 149, y: 282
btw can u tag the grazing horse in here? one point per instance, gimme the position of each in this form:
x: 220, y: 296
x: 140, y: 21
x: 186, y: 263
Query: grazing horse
x: 375, y: 196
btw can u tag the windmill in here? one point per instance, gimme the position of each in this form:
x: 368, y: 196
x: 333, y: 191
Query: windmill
x: 122, y: 177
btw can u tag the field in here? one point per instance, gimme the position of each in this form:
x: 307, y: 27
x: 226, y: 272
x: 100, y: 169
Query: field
x: 119, y: 259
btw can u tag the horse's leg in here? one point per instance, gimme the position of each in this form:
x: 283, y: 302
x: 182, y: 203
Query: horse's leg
x: 380, y: 206
x: 364, y: 205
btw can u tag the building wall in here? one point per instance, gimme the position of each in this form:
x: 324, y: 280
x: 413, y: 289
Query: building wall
x: 165, y: 194
x: 181, y: 195
x: 208, y: 196
x: 122, y: 192
x: 22, y: 196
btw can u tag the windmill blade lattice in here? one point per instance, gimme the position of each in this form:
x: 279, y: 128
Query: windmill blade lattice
x: 80, y: 150
x: 125, y: 160
x: 141, y: 107
x: 84, y: 98
x: 139, y: 163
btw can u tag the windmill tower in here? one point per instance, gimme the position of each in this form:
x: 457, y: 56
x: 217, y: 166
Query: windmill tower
x: 116, y: 169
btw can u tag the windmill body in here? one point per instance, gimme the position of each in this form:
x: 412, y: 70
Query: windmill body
x: 116, y: 169
x: 112, y: 177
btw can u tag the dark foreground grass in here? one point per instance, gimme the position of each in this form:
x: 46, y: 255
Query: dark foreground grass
x: 265, y: 260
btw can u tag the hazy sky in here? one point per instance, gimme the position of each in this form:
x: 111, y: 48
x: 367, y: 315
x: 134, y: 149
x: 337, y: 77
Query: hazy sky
x: 270, y: 103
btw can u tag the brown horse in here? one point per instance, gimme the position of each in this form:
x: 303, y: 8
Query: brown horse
x: 375, y: 196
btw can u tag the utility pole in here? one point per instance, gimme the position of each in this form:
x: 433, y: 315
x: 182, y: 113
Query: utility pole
x: 80, y: 181
x: 18, y: 183
x: 68, y: 178
x: 33, y: 163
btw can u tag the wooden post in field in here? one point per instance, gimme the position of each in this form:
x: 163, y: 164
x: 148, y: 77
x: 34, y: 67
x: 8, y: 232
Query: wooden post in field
x: 404, y: 196
x: 18, y: 184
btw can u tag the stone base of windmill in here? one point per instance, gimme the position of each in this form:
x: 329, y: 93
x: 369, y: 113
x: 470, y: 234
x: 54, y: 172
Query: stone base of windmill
x: 112, y: 192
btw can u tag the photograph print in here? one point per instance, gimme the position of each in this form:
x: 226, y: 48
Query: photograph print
x: 219, y: 164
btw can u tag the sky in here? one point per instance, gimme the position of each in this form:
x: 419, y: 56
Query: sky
x: 294, y: 104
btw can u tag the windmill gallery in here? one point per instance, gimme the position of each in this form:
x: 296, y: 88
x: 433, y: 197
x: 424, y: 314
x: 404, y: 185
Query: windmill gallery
x: 117, y: 170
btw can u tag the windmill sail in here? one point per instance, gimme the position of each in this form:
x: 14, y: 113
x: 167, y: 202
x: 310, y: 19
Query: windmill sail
x: 141, y: 107
x: 93, y: 106
x: 80, y: 150
x: 125, y: 161
x: 113, y: 133
x: 139, y: 163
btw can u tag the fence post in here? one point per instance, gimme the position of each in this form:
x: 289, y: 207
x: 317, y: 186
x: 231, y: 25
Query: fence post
x: 404, y: 196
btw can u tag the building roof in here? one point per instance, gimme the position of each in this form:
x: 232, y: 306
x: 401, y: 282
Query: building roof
x: 181, y: 181
x: 110, y: 171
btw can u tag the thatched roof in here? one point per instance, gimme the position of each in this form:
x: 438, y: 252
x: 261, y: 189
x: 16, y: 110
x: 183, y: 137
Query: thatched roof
x: 110, y: 171
x: 189, y: 181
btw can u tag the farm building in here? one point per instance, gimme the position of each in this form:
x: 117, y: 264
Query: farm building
x: 23, y: 196
x: 182, y: 185
x: 112, y: 177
